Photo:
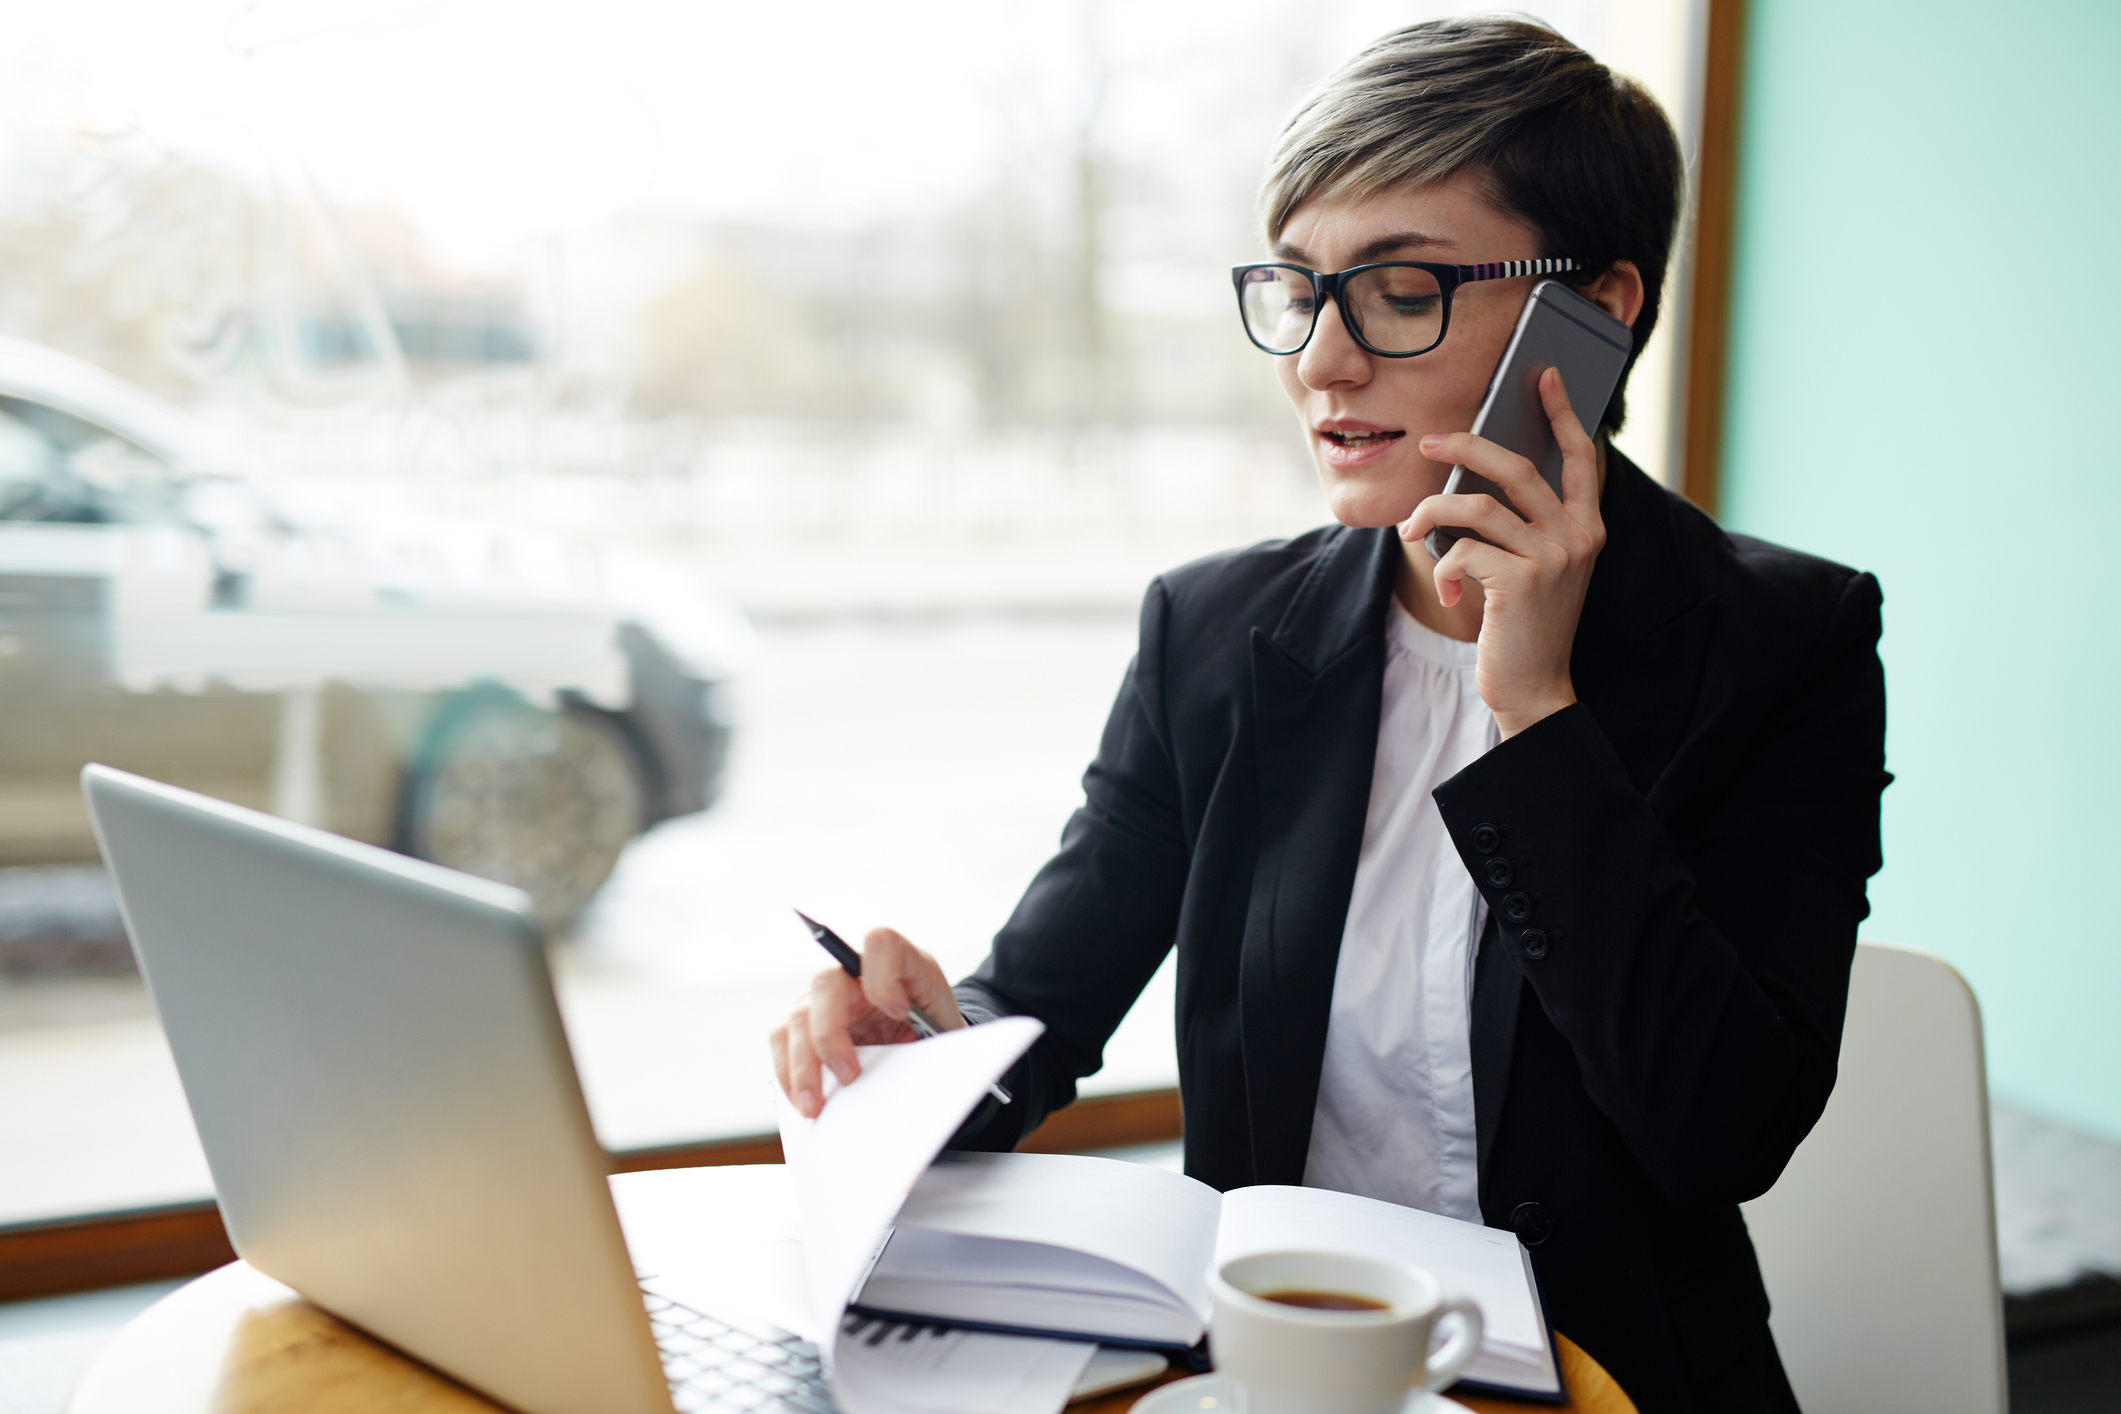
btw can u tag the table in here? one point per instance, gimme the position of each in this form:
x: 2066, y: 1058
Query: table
x: 1591, y: 1391
x: 237, y: 1342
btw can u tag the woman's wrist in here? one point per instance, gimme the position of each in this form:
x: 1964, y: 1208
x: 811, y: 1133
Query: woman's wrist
x: 1517, y: 718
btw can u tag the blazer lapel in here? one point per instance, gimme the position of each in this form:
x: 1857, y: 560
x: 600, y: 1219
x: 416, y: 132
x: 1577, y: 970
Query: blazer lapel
x: 1317, y: 685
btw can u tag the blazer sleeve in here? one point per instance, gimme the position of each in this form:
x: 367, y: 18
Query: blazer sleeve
x: 1703, y: 995
x: 1098, y: 919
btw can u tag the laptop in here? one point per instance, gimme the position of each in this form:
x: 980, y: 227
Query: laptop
x: 387, y: 1102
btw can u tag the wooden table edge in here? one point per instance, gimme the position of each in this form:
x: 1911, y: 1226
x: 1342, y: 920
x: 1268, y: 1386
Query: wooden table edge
x: 237, y: 1342
x: 1591, y: 1391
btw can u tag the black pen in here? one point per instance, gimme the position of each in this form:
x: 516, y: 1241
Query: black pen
x: 850, y: 963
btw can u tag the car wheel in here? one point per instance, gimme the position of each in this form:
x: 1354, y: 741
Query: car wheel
x: 541, y: 800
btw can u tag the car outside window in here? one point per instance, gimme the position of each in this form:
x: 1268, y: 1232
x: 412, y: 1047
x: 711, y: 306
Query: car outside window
x: 59, y: 468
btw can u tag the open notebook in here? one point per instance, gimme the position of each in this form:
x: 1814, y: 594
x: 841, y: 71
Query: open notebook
x: 1117, y: 1252
x: 1036, y: 1246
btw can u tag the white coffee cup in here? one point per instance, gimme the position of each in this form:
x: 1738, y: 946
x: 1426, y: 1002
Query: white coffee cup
x: 1280, y: 1358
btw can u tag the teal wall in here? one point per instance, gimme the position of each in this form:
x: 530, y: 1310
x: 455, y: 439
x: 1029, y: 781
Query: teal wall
x: 1926, y: 383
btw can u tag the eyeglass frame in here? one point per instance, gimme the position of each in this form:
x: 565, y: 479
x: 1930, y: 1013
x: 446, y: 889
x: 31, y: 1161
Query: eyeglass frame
x: 1448, y: 279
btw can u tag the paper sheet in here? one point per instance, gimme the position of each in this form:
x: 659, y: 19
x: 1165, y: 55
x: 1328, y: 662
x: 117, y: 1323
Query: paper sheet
x: 1146, y: 1220
x: 854, y: 1164
x: 957, y: 1372
x: 851, y: 1169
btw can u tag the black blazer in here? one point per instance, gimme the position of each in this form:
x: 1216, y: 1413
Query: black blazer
x: 1674, y: 867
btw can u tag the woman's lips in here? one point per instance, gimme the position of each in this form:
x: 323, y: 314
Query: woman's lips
x: 1350, y: 448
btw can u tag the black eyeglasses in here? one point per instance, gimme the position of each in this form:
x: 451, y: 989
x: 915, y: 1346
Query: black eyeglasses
x: 1395, y: 308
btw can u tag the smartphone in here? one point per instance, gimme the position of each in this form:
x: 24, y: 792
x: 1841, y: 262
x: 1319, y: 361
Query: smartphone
x: 1558, y: 329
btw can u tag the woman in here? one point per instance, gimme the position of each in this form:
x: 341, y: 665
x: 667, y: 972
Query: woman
x: 1521, y: 885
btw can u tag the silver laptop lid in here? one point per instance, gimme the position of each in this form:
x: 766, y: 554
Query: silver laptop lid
x: 384, y: 1093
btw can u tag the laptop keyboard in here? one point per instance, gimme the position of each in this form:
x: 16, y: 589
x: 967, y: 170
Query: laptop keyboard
x: 712, y: 1365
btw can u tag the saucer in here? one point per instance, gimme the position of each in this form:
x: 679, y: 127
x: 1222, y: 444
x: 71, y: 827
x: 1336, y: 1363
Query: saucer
x: 1206, y: 1394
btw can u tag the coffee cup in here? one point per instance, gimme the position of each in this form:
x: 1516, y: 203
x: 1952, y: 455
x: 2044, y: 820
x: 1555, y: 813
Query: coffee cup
x: 1333, y: 1333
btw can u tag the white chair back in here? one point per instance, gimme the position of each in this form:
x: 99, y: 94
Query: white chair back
x: 1879, y: 1242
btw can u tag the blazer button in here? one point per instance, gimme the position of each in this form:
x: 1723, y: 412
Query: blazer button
x: 1517, y: 908
x: 1535, y: 943
x: 1500, y: 874
x: 1532, y: 1223
x: 1486, y: 838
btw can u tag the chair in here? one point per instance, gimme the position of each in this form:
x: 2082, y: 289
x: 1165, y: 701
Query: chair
x: 1879, y: 1241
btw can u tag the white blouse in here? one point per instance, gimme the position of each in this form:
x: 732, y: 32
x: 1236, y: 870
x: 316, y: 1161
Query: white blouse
x: 1395, y: 1098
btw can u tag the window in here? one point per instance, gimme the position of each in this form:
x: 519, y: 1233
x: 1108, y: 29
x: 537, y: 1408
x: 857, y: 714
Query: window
x: 821, y: 387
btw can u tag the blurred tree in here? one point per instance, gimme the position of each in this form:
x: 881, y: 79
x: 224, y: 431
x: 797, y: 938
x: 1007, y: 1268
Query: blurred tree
x: 1013, y: 292
x: 130, y: 265
x: 767, y: 323
x: 173, y: 272
x: 1099, y: 389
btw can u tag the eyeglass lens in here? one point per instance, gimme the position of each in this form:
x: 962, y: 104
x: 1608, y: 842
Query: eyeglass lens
x: 1395, y: 308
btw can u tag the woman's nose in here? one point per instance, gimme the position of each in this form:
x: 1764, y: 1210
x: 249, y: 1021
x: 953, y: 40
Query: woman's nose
x: 1332, y: 358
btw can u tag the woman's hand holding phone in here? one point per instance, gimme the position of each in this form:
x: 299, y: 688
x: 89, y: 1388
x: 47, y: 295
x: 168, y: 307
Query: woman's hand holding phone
x: 840, y: 1012
x: 1533, y: 567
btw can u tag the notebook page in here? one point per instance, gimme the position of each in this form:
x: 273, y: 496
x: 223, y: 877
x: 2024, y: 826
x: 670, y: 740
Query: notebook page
x: 851, y: 1167
x: 957, y: 1372
x: 1158, y: 1223
x: 995, y: 1263
x: 1480, y: 1262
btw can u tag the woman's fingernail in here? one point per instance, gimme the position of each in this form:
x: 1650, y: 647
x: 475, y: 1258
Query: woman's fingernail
x: 1431, y: 442
x: 845, y: 1071
x: 806, y: 1103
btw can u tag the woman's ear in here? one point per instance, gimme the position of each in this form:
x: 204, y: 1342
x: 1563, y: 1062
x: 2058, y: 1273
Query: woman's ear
x: 1618, y: 292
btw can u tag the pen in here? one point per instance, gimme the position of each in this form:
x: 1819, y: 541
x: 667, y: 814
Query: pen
x: 850, y: 963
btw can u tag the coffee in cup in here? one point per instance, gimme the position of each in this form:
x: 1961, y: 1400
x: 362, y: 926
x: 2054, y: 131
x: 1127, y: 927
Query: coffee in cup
x: 1325, y: 1300
x: 1333, y: 1333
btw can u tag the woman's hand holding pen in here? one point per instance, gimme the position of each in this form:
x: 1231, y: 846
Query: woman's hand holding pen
x: 840, y: 1012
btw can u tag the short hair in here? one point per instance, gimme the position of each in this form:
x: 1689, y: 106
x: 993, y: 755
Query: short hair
x: 1582, y: 155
